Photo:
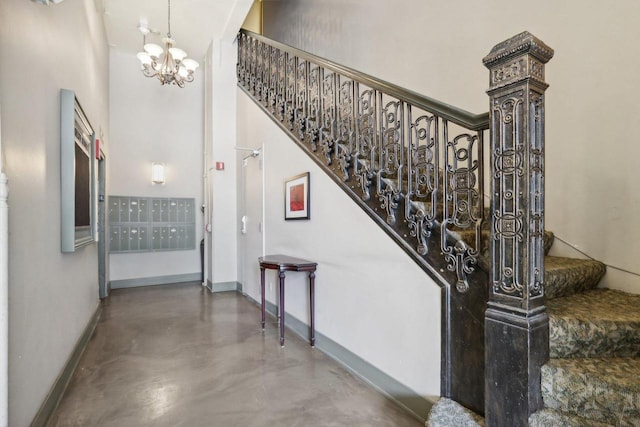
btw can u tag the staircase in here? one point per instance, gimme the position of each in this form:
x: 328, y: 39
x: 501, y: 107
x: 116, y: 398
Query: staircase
x: 592, y: 378
x: 513, y: 343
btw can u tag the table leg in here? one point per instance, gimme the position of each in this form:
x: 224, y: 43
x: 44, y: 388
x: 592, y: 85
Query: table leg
x: 312, y: 284
x: 282, y: 276
x: 262, y: 294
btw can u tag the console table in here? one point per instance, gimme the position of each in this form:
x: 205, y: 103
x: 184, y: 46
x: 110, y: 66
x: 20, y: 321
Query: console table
x: 284, y: 263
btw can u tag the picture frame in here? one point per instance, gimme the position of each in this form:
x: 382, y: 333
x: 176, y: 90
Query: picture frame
x: 296, y: 197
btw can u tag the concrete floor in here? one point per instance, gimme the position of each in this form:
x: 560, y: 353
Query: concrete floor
x: 177, y: 355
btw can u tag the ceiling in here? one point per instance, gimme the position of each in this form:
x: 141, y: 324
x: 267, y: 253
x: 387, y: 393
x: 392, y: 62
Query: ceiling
x: 194, y: 23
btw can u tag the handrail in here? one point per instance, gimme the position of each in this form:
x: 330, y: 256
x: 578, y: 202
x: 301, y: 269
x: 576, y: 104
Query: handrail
x: 455, y: 115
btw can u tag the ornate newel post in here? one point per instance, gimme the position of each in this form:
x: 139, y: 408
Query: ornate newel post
x: 516, y: 323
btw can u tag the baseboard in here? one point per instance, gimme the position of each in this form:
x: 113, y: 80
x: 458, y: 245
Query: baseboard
x: 224, y: 286
x: 411, y: 401
x: 60, y: 385
x: 157, y: 280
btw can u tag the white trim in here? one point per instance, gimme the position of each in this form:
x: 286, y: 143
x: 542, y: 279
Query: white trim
x: 157, y: 280
x: 224, y: 286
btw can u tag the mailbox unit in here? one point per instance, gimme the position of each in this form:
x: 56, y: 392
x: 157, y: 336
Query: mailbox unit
x: 143, y: 224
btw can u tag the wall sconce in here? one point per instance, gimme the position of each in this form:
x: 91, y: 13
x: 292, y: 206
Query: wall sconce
x: 157, y: 173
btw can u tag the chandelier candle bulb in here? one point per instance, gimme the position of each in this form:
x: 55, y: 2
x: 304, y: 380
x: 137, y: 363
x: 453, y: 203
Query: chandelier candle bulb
x: 178, y: 54
x: 190, y: 64
x: 153, y: 50
x: 144, y: 58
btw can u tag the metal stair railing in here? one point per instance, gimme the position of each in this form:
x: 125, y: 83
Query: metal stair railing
x: 419, y: 158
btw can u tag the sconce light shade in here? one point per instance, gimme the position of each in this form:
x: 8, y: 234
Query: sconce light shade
x: 157, y: 173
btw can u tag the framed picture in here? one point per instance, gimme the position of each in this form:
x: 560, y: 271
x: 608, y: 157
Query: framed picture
x: 296, y: 197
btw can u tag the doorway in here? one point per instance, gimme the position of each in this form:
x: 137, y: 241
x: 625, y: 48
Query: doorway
x: 252, y: 233
x: 103, y: 288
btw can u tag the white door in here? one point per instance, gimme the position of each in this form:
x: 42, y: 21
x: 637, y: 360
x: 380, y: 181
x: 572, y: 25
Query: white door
x: 251, y: 212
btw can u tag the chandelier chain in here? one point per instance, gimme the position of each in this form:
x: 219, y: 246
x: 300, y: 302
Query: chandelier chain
x: 169, y: 17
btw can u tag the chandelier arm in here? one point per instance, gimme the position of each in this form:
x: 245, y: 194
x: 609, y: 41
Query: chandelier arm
x: 149, y: 72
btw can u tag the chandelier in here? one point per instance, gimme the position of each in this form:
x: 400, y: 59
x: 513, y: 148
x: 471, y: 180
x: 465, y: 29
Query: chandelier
x: 170, y: 65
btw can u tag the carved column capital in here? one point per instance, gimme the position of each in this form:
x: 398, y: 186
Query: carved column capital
x: 521, y: 57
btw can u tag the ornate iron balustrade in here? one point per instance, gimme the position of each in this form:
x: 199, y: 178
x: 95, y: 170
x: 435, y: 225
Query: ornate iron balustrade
x: 416, y: 167
x: 416, y: 162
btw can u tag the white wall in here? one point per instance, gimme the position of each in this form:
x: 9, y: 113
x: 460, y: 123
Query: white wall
x: 370, y: 297
x: 52, y: 295
x: 154, y: 123
x: 591, y: 153
x: 223, y: 141
x: 209, y: 165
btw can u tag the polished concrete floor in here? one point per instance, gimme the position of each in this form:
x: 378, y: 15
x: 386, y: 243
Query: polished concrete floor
x: 177, y: 355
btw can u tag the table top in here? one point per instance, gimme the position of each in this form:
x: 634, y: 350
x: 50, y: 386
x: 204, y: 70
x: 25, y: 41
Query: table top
x: 286, y: 262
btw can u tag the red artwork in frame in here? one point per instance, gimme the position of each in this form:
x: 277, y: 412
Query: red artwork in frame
x: 296, y: 197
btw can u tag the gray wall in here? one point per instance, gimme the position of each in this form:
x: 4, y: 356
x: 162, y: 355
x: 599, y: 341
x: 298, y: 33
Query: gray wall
x: 436, y: 48
x: 52, y: 295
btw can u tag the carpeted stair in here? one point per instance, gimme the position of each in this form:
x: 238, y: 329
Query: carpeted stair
x: 449, y: 413
x: 593, y: 376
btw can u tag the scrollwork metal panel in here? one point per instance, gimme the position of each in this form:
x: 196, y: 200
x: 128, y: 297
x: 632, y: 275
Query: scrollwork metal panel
x: 301, y: 95
x: 274, y: 77
x: 253, y: 58
x: 290, y: 91
x: 365, y: 164
x: 345, y: 127
x: 266, y: 74
x: 536, y: 184
x: 391, y: 157
x: 329, y: 114
x: 313, y: 106
x: 423, y: 177
x: 462, y: 203
x: 518, y: 215
x: 509, y: 227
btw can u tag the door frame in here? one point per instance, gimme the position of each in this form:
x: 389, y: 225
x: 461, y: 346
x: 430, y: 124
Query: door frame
x: 103, y: 285
x: 243, y: 210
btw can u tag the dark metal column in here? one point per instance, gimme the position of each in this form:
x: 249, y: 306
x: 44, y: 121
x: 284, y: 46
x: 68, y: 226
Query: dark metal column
x: 516, y: 322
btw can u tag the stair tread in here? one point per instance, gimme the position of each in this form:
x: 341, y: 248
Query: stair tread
x: 600, y: 389
x: 552, y: 418
x: 567, y: 276
x: 595, y: 323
